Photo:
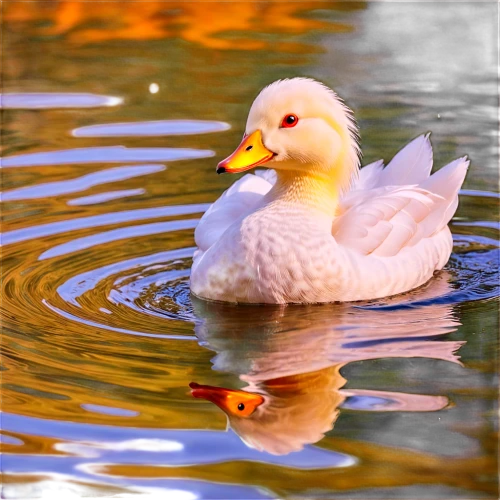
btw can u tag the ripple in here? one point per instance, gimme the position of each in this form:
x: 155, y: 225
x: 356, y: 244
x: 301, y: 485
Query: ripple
x: 482, y: 223
x: 95, y: 199
x: 150, y: 445
x: 80, y: 183
x: 77, y: 285
x: 198, y: 446
x: 109, y: 410
x: 121, y: 233
x: 154, y: 285
x: 162, y: 294
x: 168, y: 297
x: 152, y: 128
x: 53, y: 100
x: 103, y: 326
x: 105, y: 154
x: 481, y: 194
x: 64, y: 226
x: 4, y: 439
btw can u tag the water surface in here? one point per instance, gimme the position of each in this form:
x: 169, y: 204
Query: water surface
x: 102, y: 186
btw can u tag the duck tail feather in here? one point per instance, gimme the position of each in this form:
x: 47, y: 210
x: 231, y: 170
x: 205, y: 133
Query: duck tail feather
x: 411, y: 165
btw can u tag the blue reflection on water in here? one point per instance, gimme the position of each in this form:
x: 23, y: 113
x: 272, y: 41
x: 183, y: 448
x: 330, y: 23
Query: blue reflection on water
x: 51, y: 228
x: 105, y: 154
x: 198, y: 446
x: 109, y: 410
x: 116, y: 235
x: 95, y: 199
x: 152, y: 128
x: 53, y: 100
x: 80, y: 183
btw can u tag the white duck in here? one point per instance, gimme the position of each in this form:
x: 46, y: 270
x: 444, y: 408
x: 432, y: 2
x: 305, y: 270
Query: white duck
x: 318, y: 229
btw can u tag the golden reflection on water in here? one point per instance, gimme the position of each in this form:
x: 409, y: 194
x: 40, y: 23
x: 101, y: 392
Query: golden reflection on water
x: 203, y: 22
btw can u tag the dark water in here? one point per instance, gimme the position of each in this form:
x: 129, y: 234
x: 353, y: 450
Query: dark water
x: 103, y: 182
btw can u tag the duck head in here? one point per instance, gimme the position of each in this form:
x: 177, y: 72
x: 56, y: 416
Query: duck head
x: 298, y: 125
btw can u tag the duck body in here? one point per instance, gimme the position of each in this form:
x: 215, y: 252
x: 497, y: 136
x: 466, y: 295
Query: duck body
x: 324, y: 231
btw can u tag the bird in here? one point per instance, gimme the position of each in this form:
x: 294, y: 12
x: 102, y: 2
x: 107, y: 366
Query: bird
x: 314, y: 227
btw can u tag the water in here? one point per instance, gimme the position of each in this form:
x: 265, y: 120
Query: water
x: 102, y: 186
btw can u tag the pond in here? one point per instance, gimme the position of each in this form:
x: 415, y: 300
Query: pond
x: 115, y: 116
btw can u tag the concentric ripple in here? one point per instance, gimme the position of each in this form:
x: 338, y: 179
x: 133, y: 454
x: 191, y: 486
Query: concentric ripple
x: 131, y: 294
x: 155, y: 285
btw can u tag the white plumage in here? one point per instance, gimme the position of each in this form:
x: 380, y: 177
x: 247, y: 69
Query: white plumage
x: 318, y: 229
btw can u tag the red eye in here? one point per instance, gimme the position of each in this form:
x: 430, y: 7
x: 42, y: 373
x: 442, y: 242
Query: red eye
x: 290, y: 121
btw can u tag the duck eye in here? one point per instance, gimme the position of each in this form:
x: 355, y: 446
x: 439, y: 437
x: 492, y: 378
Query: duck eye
x: 290, y: 121
x: 241, y: 407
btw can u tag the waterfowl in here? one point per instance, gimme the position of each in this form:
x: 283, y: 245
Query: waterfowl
x: 316, y: 227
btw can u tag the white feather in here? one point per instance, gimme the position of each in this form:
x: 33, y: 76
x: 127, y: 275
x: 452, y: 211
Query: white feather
x: 369, y: 175
x: 234, y: 203
x: 411, y: 165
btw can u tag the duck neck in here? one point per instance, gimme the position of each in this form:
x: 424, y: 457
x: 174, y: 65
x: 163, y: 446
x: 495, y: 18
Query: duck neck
x: 317, y: 193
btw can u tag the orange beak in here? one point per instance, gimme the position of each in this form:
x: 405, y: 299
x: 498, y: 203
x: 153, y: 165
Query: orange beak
x: 231, y: 401
x: 250, y: 153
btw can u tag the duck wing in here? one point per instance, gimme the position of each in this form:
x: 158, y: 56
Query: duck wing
x: 237, y: 201
x: 395, y: 207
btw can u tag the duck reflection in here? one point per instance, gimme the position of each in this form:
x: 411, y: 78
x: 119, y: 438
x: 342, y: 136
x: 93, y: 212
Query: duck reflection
x: 283, y: 414
x: 291, y: 357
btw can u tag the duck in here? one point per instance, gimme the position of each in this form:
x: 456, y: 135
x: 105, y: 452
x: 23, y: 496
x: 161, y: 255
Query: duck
x: 314, y: 227
x: 287, y: 362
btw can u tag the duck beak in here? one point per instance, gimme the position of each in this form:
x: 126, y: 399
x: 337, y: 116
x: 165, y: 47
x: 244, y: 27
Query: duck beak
x: 231, y: 401
x: 250, y: 153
